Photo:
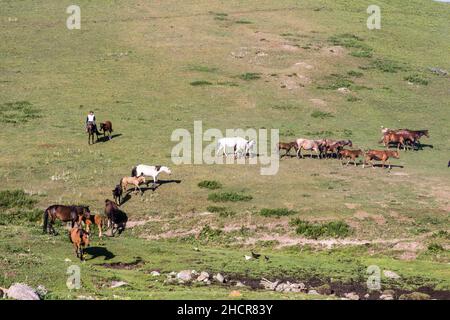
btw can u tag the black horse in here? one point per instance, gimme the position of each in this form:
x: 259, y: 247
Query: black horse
x: 92, y: 129
x: 117, y: 219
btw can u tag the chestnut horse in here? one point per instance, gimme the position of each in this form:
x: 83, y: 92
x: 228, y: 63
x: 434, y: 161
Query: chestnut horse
x: 380, y: 155
x: 74, y: 214
x: 80, y: 239
x: 106, y: 126
x: 94, y: 219
x: 287, y: 147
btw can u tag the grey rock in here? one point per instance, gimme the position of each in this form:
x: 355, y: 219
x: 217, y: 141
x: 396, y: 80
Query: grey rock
x: 117, y: 284
x: 20, y: 291
x: 312, y: 292
x: 352, y: 296
x: 155, y: 273
x: 185, y: 275
x: 390, y: 274
x: 438, y: 71
x: 41, y: 291
x: 219, y: 278
x: 204, y: 276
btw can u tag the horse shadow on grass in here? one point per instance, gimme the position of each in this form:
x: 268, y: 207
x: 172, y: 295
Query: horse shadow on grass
x: 96, y: 252
x: 153, y: 187
x: 106, y: 138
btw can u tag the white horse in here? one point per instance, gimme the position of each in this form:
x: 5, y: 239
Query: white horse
x: 237, y: 143
x: 149, y: 171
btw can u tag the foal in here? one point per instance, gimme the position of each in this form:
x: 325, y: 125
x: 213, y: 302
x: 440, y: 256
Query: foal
x: 380, y: 155
x: 135, y: 181
x: 80, y: 239
x: 350, y: 155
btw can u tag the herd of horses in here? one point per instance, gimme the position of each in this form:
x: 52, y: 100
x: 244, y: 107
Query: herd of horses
x: 329, y: 148
x: 114, y: 218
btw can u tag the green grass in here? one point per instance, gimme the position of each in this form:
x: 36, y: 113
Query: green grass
x: 18, y: 112
x: 250, y: 76
x: 321, y: 114
x: 200, y: 83
x: 15, y: 199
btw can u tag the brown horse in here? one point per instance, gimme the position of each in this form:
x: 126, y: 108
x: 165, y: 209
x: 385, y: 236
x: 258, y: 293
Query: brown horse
x: 350, y: 155
x: 287, y: 147
x: 92, y: 129
x: 380, y: 155
x: 396, y: 138
x: 74, y: 214
x: 94, y: 219
x: 116, y: 218
x: 106, y: 126
x: 334, y: 147
x: 117, y: 193
x: 80, y: 239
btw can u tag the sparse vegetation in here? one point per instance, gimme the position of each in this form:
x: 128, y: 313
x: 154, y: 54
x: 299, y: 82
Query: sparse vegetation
x: 417, y: 79
x: 210, y: 184
x: 386, y: 65
x: 279, y: 212
x: 18, y: 112
x: 250, y: 76
x: 200, y: 83
x: 333, y: 229
x: 321, y: 114
x: 228, y: 196
x: 336, y: 81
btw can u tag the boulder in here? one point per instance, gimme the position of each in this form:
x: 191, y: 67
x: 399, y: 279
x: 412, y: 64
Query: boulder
x: 390, y: 274
x: 204, y: 276
x: 155, y: 273
x: 185, y: 275
x: 219, y: 278
x: 352, y: 296
x: 117, y: 284
x: 20, y: 291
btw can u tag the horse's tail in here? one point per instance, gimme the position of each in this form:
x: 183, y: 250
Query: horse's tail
x: 133, y: 172
x: 45, y: 217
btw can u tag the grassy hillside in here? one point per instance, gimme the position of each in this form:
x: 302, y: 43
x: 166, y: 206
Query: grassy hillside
x: 153, y: 67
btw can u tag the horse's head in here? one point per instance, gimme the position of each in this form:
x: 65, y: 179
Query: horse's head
x: 395, y: 154
x: 250, y: 144
x: 166, y: 170
x: 350, y: 143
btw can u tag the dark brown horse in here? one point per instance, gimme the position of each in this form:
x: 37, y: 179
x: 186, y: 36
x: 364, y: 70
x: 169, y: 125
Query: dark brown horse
x: 74, y: 214
x: 106, y: 126
x: 92, y: 129
x: 117, y: 219
x: 286, y: 147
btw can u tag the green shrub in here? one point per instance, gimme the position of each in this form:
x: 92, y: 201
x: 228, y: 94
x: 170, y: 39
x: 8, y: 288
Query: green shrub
x: 386, y: 65
x: 203, y: 69
x: 208, y: 233
x: 441, y: 234
x: 321, y: 114
x: 200, y: 83
x: 228, y: 196
x: 435, y: 248
x: 243, y: 22
x: 20, y: 216
x: 336, y: 81
x: 352, y: 99
x: 416, y: 79
x: 362, y: 53
x: 15, y: 199
x: 334, y: 229
x: 347, y: 40
x: 210, y: 184
x: 250, y: 76
x: 356, y: 74
x: 279, y: 212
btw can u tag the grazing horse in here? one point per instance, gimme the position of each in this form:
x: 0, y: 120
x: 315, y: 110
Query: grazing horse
x: 135, y: 181
x: 92, y: 129
x: 287, y: 147
x: 116, y: 217
x: 149, y: 171
x: 80, y: 239
x: 308, y: 144
x: 237, y: 143
x: 106, y: 126
x: 350, y: 155
x: 94, y: 219
x: 117, y: 193
x: 335, y: 146
x: 380, y: 155
x: 74, y: 214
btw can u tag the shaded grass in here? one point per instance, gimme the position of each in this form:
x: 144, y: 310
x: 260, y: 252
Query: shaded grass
x: 200, y: 83
x: 321, y: 114
x: 250, y: 76
x: 417, y: 79
x: 18, y: 112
